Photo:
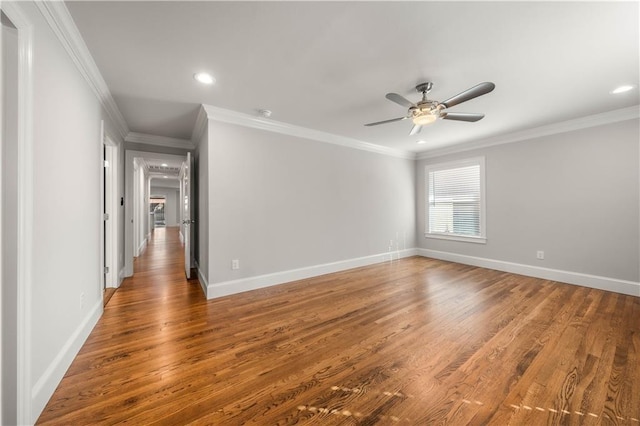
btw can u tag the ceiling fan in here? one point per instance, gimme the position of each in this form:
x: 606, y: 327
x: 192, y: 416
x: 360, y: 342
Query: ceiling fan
x: 427, y: 111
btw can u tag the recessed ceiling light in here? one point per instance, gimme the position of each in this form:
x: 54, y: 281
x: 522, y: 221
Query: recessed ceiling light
x: 166, y: 177
x: 204, y: 78
x: 621, y: 89
x: 421, y: 142
x: 164, y: 164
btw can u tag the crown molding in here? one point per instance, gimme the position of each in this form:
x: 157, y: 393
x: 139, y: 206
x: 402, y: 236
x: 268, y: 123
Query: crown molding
x: 142, y: 163
x: 59, y: 19
x: 134, y: 137
x: 246, y: 120
x: 200, y: 126
x: 608, y: 117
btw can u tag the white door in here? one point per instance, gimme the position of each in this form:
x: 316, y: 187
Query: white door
x: 111, y: 254
x: 186, y: 180
x: 107, y: 232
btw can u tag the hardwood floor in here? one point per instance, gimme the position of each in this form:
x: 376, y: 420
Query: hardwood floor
x: 108, y: 293
x: 417, y: 341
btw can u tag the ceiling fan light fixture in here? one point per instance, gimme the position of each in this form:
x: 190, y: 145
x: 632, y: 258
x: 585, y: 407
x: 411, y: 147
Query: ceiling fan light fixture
x: 424, y: 119
x: 427, y: 111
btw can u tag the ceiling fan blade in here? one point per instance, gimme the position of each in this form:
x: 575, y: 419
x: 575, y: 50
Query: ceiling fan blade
x: 394, y: 97
x: 386, y: 121
x: 474, y: 92
x: 415, y: 129
x: 462, y: 116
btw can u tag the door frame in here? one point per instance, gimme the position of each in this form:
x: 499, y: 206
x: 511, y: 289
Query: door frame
x: 130, y: 201
x: 25, y: 208
x: 109, y: 256
x: 187, y: 212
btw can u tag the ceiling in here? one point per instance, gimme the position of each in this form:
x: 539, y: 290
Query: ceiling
x: 162, y: 168
x: 328, y: 65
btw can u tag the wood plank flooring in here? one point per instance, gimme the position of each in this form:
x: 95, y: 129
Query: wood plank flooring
x: 416, y: 341
x: 108, y: 293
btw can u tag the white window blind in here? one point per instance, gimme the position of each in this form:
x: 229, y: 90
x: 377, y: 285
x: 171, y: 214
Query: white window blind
x: 455, y: 204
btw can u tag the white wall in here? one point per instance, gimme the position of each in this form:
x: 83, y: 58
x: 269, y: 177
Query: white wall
x: 63, y: 270
x: 201, y: 160
x: 171, y: 201
x: 8, y: 230
x: 66, y: 286
x: 574, y: 195
x: 278, y: 202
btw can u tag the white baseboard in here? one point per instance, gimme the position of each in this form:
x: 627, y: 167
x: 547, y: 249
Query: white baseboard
x: 121, y: 276
x: 50, y: 379
x: 593, y: 281
x: 226, y: 288
x: 202, y: 279
x: 143, y: 246
x: 113, y: 282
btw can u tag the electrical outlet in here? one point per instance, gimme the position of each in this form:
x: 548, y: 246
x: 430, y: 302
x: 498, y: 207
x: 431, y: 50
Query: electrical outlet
x: 540, y: 255
x: 235, y: 264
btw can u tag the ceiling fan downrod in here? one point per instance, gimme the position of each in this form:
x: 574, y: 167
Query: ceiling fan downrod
x: 424, y: 88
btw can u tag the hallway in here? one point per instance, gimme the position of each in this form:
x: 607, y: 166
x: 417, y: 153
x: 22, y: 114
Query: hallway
x: 135, y: 346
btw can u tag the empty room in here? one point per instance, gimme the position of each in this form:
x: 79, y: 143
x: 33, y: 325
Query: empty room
x: 331, y: 213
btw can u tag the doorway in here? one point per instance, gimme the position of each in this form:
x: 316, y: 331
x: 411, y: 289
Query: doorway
x: 110, y: 219
x: 157, y: 205
x: 144, y: 170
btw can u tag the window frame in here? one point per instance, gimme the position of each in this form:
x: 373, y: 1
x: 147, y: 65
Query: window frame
x: 474, y: 161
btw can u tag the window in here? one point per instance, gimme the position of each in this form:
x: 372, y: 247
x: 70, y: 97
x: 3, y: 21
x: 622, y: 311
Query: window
x: 455, y: 200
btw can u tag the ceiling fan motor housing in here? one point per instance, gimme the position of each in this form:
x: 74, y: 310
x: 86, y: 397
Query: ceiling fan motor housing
x: 426, y: 111
x: 425, y: 107
x: 424, y: 87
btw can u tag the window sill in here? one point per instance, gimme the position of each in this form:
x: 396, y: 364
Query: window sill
x: 451, y: 237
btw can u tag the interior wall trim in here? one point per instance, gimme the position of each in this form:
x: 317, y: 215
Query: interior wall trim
x: 246, y: 120
x: 241, y: 285
x: 608, y: 117
x: 52, y: 376
x: 592, y: 281
x: 120, y: 277
x: 226, y: 288
x: 145, y: 138
x: 200, y: 127
x: 25, y: 196
x: 59, y: 19
x: 204, y: 283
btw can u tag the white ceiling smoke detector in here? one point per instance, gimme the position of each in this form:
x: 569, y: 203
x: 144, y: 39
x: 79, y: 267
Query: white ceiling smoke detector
x: 264, y: 113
